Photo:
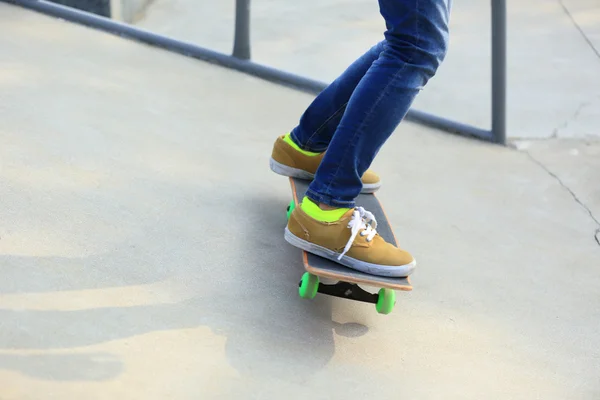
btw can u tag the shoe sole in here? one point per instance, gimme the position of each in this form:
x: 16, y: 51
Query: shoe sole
x: 395, y: 271
x: 284, y: 170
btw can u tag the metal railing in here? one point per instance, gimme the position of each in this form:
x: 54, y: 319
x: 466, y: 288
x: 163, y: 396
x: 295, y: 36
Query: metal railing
x: 241, y: 55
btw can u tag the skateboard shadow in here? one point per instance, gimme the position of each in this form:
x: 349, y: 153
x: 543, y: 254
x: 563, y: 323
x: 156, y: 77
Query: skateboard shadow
x: 291, y: 328
x: 247, y: 292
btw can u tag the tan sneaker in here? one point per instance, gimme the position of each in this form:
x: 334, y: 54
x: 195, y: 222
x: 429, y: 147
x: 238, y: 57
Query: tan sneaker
x: 287, y: 161
x: 351, y: 241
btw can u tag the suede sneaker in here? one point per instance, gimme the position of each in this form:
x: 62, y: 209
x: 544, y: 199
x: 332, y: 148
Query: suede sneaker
x: 348, y: 237
x: 288, y: 159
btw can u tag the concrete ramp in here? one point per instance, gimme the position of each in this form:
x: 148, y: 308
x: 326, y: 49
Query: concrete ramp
x: 142, y: 252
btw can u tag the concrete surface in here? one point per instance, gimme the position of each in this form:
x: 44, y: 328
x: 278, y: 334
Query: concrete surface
x: 142, y: 252
x: 129, y: 11
x: 553, y: 66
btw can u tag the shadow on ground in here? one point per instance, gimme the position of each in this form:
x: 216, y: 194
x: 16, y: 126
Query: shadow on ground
x: 64, y: 367
x: 249, y: 295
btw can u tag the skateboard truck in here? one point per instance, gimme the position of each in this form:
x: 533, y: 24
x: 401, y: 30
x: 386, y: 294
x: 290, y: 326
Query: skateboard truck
x: 384, y: 300
x: 346, y: 290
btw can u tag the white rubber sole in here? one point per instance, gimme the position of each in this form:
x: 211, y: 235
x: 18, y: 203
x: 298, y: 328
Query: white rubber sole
x: 284, y: 170
x: 370, y: 187
x: 390, y: 271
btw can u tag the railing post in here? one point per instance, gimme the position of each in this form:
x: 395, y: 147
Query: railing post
x: 241, y: 44
x: 499, y: 71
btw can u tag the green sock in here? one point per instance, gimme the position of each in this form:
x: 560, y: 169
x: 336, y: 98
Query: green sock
x: 288, y: 139
x: 312, y: 210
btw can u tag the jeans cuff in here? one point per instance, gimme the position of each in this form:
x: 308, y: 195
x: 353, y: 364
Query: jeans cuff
x: 329, y: 200
x: 305, y: 147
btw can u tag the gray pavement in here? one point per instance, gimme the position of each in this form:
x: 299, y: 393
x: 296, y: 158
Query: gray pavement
x: 142, y: 252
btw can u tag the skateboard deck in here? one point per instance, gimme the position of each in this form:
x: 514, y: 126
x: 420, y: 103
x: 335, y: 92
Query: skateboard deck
x: 349, y: 280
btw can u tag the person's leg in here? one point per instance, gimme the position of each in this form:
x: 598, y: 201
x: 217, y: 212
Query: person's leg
x: 299, y: 153
x: 320, y: 120
x: 327, y: 222
x: 415, y: 45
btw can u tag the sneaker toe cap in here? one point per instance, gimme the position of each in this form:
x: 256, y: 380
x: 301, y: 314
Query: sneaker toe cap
x: 370, y: 177
x: 387, y: 255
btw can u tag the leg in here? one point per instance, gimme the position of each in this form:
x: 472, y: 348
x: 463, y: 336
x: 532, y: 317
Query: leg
x: 415, y: 45
x: 327, y: 221
x: 299, y: 153
x: 320, y: 120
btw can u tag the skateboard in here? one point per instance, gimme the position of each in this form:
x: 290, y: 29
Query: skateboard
x: 347, y: 280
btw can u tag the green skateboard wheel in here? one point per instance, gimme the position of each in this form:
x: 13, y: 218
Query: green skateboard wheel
x: 290, y: 208
x: 385, y: 301
x: 308, y: 286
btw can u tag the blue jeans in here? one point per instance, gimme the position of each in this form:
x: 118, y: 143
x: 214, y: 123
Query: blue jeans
x: 356, y: 114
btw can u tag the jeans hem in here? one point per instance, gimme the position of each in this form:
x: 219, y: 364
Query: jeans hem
x: 303, y: 146
x: 329, y: 200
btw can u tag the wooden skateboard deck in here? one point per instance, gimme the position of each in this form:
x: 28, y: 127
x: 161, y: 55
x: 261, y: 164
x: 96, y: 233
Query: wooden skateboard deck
x: 349, y: 279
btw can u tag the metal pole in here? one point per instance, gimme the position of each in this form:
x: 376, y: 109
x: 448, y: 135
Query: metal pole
x: 433, y: 121
x: 241, y: 44
x: 499, y: 71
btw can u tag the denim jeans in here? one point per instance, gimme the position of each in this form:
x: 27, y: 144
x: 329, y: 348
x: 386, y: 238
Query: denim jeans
x: 354, y: 116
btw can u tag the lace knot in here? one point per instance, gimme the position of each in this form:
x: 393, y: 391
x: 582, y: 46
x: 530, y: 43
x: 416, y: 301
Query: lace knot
x: 362, y: 221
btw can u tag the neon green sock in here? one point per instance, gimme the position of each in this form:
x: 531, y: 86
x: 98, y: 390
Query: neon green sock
x: 312, y: 210
x: 288, y: 139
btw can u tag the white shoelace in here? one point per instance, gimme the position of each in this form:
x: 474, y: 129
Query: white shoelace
x: 361, y: 219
